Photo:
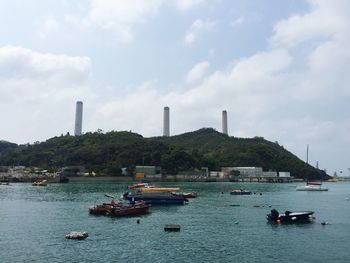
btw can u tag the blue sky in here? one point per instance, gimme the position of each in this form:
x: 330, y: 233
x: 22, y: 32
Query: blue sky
x: 280, y: 69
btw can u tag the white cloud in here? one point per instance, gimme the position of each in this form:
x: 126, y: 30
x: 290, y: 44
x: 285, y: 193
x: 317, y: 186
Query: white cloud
x: 237, y: 22
x: 327, y: 19
x: 197, y: 72
x: 185, y: 5
x: 197, y: 28
x: 18, y: 62
x: 50, y: 26
x: 120, y: 15
x: 40, y: 89
x: 246, y: 95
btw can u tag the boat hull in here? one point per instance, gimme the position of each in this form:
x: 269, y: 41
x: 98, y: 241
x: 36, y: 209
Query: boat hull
x: 290, y: 217
x: 130, y: 211
x: 241, y: 193
x: 120, y: 210
x: 311, y: 188
x: 158, y: 200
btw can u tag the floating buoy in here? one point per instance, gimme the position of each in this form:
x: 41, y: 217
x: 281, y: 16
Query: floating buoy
x: 325, y: 223
x: 77, y: 235
x: 138, y: 221
x: 236, y: 222
x: 347, y: 199
x: 278, y: 221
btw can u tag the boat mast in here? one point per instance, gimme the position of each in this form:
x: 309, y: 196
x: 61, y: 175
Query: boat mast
x: 307, y: 154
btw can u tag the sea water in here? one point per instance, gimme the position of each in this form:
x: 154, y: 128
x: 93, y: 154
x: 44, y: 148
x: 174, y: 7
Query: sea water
x: 215, y: 227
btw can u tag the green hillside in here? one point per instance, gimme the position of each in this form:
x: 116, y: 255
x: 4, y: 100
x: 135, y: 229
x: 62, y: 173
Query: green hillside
x: 107, y: 153
x: 231, y: 151
x: 4, y: 145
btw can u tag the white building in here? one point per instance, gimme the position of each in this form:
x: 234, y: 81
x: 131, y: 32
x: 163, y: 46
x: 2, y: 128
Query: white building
x: 284, y: 174
x: 244, y: 171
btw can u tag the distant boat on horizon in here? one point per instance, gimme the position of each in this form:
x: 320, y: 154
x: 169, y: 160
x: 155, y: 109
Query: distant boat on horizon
x: 312, y: 186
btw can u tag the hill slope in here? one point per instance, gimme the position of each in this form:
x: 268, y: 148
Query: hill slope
x: 4, y: 145
x: 107, y: 153
x: 231, y: 151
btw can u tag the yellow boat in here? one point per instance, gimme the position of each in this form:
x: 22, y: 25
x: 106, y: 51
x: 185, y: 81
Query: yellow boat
x: 160, y: 189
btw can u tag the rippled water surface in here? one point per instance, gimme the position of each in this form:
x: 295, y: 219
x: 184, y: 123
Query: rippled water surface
x: 215, y: 227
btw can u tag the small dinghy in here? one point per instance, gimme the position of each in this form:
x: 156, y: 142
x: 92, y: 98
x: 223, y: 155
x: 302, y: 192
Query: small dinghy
x: 290, y: 217
x: 77, y: 235
x: 240, y: 192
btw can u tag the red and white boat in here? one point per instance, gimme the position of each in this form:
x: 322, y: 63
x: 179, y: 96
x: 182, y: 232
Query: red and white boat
x: 187, y: 195
x: 140, y: 185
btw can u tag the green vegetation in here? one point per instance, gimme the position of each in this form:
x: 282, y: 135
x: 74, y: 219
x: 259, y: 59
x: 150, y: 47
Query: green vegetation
x: 107, y: 153
x: 4, y: 145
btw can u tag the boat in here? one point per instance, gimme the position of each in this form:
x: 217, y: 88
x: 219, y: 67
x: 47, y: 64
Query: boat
x: 40, y: 183
x: 140, y: 185
x: 187, y: 195
x: 190, y: 195
x: 240, y: 192
x: 120, y: 209
x: 134, y: 209
x: 312, y: 186
x: 103, y: 209
x: 160, y: 189
x: 156, y: 198
x: 4, y: 181
x: 290, y: 217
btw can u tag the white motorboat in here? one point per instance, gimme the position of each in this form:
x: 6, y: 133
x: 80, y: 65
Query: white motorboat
x: 310, y: 186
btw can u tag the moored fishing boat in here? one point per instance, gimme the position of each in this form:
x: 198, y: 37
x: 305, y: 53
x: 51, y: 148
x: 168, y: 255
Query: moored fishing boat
x: 137, y: 208
x: 120, y: 209
x: 156, y: 198
x: 160, y: 189
x: 103, y: 209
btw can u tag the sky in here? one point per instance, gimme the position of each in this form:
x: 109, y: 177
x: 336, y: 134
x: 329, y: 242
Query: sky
x: 281, y: 69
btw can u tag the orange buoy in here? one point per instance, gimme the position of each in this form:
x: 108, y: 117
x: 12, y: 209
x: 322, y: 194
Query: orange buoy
x: 278, y: 221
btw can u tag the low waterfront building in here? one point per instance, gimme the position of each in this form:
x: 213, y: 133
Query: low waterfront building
x: 284, y: 174
x: 270, y: 174
x: 242, y: 171
x: 147, y: 170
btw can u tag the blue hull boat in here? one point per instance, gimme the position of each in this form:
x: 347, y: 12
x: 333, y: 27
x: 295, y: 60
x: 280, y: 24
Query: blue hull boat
x: 157, y: 199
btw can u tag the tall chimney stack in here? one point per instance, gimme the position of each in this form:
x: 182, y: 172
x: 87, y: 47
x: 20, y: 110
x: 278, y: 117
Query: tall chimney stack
x: 224, y: 122
x: 166, y: 122
x: 78, y: 119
